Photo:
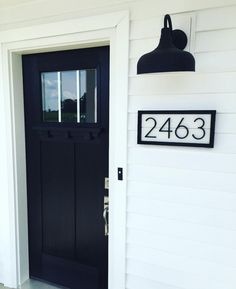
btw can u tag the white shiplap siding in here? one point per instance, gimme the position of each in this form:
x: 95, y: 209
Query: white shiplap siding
x: 181, y: 209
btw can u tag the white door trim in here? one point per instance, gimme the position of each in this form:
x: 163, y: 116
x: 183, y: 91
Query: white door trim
x: 112, y: 29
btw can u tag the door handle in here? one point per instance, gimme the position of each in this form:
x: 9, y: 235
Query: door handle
x: 105, y: 214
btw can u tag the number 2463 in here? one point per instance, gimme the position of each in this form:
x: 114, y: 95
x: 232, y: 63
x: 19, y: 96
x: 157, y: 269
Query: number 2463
x: 166, y: 128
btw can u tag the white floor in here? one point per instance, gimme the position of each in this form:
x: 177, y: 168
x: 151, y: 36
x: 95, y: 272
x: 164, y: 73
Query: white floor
x: 33, y: 284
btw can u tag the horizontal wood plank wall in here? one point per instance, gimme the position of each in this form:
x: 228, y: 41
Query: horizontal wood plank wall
x: 181, y: 214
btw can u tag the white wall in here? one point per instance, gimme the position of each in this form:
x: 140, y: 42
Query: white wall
x: 181, y: 214
x: 181, y: 201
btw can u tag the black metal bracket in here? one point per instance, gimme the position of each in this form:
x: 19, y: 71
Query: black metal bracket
x: 180, y: 39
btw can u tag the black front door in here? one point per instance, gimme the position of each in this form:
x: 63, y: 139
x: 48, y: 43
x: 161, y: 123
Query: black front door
x: 66, y: 97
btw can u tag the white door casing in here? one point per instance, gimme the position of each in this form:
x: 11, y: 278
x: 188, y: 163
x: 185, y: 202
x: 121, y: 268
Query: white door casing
x: 112, y: 29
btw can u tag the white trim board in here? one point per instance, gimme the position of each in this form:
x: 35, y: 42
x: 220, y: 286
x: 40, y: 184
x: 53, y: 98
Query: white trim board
x: 112, y: 29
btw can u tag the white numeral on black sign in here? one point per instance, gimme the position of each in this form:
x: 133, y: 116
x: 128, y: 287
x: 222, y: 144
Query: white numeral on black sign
x: 192, y: 128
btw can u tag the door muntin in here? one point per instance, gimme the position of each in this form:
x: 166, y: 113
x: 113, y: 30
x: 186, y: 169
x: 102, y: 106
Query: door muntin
x: 70, y: 96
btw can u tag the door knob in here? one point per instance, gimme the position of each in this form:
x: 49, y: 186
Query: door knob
x: 105, y: 214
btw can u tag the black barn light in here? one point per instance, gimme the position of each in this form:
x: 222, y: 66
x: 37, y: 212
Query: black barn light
x: 169, y: 55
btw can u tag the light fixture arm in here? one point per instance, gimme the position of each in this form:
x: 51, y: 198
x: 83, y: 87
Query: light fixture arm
x: 167, y: 20
x: 179, y: 38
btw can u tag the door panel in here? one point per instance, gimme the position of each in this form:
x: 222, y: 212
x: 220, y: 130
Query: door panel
x: 57, y: 206
x: 66, y: 97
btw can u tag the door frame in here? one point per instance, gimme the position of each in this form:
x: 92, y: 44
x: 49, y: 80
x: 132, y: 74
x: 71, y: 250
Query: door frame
x: 107, y: 29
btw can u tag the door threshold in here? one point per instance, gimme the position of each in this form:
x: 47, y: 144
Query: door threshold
x: 40, y: 284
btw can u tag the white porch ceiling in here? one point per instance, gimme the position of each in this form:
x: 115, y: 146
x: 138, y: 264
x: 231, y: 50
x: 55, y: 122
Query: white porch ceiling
x: 9, y: 3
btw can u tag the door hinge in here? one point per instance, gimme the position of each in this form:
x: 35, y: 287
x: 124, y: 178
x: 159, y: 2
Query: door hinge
x: 106, y: 183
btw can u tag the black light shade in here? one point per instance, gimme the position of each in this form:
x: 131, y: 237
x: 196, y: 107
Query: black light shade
x: 167, y: 57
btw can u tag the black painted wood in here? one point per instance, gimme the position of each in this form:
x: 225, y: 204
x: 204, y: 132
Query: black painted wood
x: 66, y: 167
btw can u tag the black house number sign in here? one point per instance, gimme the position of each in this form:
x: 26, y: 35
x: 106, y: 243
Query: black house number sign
x: 194, y: 128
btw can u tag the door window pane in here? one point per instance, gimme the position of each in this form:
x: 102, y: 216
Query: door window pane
x: 50, y: 96
x: 88, y: 96
x: 70, y: 96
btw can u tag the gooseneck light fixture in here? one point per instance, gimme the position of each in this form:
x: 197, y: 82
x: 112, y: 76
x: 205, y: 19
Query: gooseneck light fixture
x: 170, y: 54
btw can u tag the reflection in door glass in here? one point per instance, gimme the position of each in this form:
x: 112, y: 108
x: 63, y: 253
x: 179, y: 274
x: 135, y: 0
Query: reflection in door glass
x: 50, y: 96
x: 88, y: 96
x: 70, y: 96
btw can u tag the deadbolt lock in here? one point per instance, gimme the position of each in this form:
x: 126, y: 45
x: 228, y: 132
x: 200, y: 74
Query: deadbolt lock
x: 106, y: 183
